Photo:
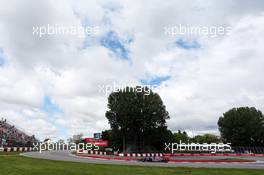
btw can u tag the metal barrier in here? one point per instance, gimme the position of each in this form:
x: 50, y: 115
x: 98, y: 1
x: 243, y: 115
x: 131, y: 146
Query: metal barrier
x: 247, y: 150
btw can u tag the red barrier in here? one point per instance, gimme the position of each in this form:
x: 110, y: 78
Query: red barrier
x: 218, y: 154
x: 213, y: 161
x: 170, y: 161
x: 101, y: 143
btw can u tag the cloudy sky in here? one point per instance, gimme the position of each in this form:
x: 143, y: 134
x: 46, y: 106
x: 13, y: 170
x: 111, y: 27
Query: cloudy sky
x: 49, y: 85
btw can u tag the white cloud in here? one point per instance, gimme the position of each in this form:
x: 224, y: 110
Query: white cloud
x: 223, y: 73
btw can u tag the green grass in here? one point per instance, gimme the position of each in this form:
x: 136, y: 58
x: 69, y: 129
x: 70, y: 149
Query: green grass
x: 9, y: 153
x: 19, y: 165
x: 237, y: 159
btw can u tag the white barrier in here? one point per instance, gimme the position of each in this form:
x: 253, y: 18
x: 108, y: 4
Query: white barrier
x: 121, y: 154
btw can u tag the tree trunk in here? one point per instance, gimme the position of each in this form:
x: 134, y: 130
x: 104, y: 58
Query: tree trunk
x: 124, y: 143
x: 143, y: 142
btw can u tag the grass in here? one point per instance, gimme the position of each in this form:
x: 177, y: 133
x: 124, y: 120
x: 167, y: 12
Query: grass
x: 19, y: 165
x: 9, y: 153
x: 237, y: 159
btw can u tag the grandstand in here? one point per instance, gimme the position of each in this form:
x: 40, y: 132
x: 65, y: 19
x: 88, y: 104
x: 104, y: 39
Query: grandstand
x: 10, y: 136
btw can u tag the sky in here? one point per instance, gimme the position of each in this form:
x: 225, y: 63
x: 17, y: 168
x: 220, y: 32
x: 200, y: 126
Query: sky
x: 49, y: 83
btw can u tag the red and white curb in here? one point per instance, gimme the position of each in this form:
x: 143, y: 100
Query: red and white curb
x: 120, y: 154
x: 172, y: 162
x: 217, y: 154
x: 15, y: 149
x: 131, y: 159
x: 168, y: 154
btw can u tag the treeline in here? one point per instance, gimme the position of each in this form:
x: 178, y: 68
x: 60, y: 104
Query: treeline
x: 243, y: 126
x: 205, y: 138
x: 177, y: 137
x: 138, y: 124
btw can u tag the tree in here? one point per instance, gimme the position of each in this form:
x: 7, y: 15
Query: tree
x: 106, y: 135
x: 137, y: 118
x: 180, y: 136
x: 242, y: 126
x: 206, y: 138
x: 75, y: 138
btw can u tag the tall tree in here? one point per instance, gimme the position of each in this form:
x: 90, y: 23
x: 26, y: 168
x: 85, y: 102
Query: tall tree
x: 181, y: 136
x: 242, y: 126
x: 137, y: 118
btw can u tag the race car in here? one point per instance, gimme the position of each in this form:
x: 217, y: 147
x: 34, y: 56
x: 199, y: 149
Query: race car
x: 155, y: 159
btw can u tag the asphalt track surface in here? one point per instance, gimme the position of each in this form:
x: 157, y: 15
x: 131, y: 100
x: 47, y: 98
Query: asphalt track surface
x: 67, y: 156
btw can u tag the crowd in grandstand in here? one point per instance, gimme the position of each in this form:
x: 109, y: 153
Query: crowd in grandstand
x: 11, y: 136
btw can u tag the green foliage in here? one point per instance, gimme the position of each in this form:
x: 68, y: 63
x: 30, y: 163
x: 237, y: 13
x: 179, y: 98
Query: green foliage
x: 242, y: 126
x: 137, y: 119
x: 184, y: 138
x: 181, y: 136
x: 106, y: 135
x: 206, y: 138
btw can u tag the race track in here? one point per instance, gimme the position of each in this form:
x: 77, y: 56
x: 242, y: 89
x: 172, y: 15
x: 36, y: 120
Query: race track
x: 67, y: 156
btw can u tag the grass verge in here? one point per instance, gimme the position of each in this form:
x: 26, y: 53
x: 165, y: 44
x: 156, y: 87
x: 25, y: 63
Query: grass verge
x: 19, y: 165
x: 9, y: 153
